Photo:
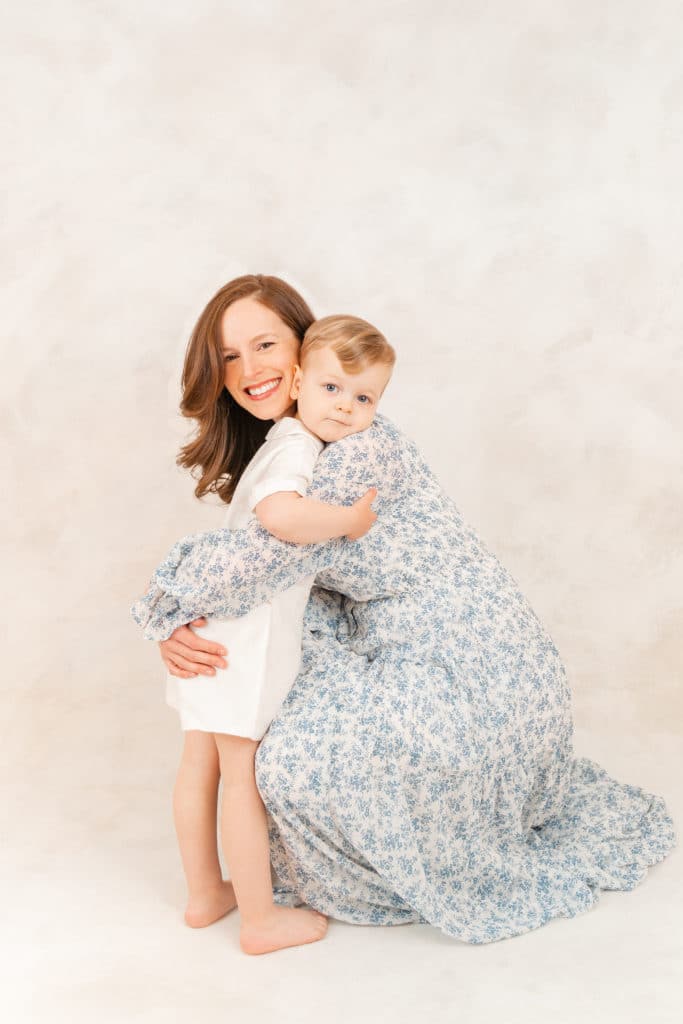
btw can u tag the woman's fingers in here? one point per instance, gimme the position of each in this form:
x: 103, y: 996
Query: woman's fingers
x: 193, y: 661
x: 199, y: 643
x: 186, y: 655
x: 193, y: 655
x: 185, y: 635
x: 186, y: 662
x: 197, y: 649
x: 174, y: 670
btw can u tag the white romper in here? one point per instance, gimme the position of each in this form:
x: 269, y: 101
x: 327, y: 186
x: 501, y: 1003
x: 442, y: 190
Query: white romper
x: 264, y: 646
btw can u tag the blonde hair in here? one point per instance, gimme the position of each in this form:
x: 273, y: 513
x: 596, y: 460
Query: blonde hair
x: 355, y: 342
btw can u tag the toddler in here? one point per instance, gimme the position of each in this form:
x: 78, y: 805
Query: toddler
x: 345, y: 365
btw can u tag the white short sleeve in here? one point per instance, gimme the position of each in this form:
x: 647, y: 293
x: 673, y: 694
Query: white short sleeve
x: 288, y: 464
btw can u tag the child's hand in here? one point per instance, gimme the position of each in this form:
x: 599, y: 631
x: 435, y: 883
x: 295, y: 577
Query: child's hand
x: 362, y: 517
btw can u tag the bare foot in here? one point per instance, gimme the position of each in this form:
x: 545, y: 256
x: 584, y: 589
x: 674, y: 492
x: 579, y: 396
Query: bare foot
x: 282, y: 928
x: 210, y: 906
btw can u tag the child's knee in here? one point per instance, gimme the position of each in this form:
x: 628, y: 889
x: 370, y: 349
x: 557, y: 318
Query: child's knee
x: 200, y: 750
x: 237, y: 755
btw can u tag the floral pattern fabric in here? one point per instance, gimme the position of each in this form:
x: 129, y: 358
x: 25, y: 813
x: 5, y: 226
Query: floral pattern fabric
x: 421, y: 768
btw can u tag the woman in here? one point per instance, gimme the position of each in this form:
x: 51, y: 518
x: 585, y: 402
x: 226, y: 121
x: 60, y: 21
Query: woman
x: 421, y: 768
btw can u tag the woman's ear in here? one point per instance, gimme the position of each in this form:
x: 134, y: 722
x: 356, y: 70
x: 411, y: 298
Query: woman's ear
x: 296, y: 383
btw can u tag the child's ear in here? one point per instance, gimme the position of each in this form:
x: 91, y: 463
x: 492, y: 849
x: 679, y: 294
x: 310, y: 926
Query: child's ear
x: 296, y: 383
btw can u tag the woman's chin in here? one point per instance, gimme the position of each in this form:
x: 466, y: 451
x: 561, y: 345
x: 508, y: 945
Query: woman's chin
x: 271, y: 408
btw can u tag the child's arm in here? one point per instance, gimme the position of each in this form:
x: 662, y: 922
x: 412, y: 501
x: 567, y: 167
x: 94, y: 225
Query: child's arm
x: 289, y: 516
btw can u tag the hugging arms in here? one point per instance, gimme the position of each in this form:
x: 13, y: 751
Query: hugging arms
x: 228, y: 572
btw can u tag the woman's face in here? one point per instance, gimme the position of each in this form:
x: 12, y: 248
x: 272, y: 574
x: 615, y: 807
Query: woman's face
x: 260, y: 354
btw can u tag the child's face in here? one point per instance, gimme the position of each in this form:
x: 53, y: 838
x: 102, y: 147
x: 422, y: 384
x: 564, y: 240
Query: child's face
x: 332, y: 402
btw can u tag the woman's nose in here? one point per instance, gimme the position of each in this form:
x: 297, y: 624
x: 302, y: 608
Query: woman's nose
x: 250, y: 364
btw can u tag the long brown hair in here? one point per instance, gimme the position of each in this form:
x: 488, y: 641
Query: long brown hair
x: 227, y: 435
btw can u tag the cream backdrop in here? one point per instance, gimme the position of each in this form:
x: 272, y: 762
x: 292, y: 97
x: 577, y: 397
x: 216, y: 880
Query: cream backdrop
x: 496, y: 185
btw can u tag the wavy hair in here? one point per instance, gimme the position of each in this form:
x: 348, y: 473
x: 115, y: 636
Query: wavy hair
x: 227, y: 435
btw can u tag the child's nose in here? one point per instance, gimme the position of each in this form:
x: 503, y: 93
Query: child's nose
x: 344, y: 404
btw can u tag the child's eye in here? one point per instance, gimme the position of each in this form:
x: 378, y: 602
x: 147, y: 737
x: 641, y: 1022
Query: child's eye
x: 364, y: 399
x: 330, y: 387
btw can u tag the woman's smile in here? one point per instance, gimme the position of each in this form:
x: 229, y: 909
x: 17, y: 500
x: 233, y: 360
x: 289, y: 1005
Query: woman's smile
x: 257, y: 392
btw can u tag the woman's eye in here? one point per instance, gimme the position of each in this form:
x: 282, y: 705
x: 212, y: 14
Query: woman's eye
x: 229, y: 357
x: 330, y: 387
x: 266, y: 344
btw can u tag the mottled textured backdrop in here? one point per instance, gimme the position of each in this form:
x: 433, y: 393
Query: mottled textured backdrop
x: 496, y: 185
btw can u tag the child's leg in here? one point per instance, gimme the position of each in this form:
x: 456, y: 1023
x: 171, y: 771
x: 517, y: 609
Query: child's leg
x: 265, y: 927
x: 194, y: 809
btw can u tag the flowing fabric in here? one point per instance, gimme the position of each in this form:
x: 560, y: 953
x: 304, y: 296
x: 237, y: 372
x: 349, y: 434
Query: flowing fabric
x: 421, y: 768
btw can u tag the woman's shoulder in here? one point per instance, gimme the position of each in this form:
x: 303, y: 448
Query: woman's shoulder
x: 381, y: 436
x: 380, y: 453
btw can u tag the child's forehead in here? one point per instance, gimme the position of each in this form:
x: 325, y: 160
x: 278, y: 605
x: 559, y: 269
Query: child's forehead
x: 322, y: 358
x: 327, y: 360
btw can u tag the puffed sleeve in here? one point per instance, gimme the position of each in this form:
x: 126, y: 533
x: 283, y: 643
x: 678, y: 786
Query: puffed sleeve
x: 224, y: 573
x: 228, y: 572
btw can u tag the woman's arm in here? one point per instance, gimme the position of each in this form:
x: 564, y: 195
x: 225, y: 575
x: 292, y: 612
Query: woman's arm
x: 225, y: 573
x: 229, y: 572
x: 300, y: 520
x: 289, y: 517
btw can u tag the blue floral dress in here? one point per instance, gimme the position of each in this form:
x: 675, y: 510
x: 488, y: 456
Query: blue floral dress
x: 421, y: 768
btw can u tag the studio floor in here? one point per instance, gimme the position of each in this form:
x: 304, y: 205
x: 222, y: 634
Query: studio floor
x: 92, y: 923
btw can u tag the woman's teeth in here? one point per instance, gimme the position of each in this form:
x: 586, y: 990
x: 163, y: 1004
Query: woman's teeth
x: 262, y: 389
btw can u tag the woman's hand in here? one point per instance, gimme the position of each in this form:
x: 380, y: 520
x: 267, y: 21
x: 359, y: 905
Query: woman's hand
x: 187, y: 655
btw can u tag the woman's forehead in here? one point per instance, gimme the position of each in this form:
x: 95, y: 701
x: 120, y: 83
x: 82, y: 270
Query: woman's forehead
x: 247, y: 320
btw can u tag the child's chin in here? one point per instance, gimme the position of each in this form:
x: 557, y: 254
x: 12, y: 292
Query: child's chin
x: 330, y: 433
